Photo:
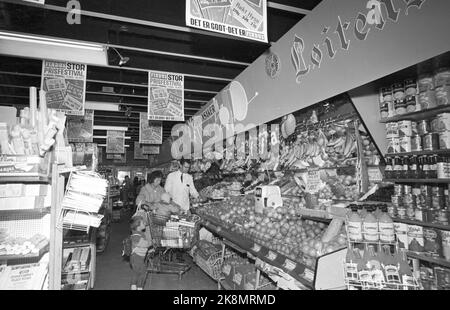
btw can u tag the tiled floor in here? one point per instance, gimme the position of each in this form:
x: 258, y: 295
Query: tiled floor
x: 114, y: 274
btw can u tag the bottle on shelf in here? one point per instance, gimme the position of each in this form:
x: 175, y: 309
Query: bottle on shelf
x: 390, y: 267
x: 405, y: 168
x: 398, y: 168
x: 351, y: 266
x: 373, y: 263
x: 426, y: 167
x: 386, y: 226
x: 432, y: 167
x: 388, y: 168
x: 420, y: 171
x: 354, y: 229
x: 405, y: 271
x: 440, y: 167
x: 412, y: 171
x: 370, y: 226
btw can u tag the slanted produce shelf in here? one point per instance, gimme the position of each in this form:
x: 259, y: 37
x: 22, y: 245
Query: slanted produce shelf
x: 419, y: 153
x: 424, y: 224
x: 295, y: 269
x: 434, y: 181
x: 25, y: 211
x: 418, y: 115
x: 24, y: 179
x: 437, y: 261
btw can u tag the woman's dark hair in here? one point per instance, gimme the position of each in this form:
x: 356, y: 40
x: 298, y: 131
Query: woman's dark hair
x: 183, y: 161
x: 154, y: 175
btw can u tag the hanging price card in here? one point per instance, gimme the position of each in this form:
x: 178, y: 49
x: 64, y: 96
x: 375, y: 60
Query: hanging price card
x: 226, y: 269
x: 289, y: 265
x: 308, y: 275
x: 313, y: 181
x: 237, y: 278
x: 256, y: 248
x: 272, y: 256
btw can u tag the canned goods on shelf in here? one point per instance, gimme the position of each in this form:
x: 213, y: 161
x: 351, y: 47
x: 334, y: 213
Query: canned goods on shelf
x: 393, y: 145
x: 410, y: 87
x: 386, y: 94
x: 401, y: 212
x: 442, y: 217
x: 396, y: 200
x: 427, y: 99
x: 423, y: 127
x: 434, y: 124
x: 410, y: 212
x: 443, y: 122
x: 444, y: 140
x: 416, y: 143
x: 398, y: 190
x: 419, y: 214
x: 442, y: 77
x: 414, y: 128
x: 430, y: 142
x: 442, y: 95
x: 437, y: 191
x: 398, y: 91
x: 384, y: 110
x: 425, y: 82
x: 411, y: 104
x: 400, y: 106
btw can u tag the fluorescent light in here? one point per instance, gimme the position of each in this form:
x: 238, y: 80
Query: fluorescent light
x: 49, y: 41
x: 126, y: 145
x: 104, y: 137
x: 101, y: 106
x: 118, y: 128
x: 42, y: 47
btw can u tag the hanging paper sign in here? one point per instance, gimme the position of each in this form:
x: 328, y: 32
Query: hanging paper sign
x: 65, y: 86
x: 138, y: 151
x: 100, y: 154
x: 165, y: 96
x: 241, y: 18
x: 149, y: 132
x: 115, y: 142
x: 150, y: 149
x: 80, y: 128
x: 313, y: 181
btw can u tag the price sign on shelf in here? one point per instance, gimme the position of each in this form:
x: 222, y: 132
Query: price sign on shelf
x: 289, y: 265
x: 272, y: 256
x: 256, y: 248
x: 313, y: 181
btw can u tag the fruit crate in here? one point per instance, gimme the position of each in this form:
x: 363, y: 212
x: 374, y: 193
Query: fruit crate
x: 212, y: 266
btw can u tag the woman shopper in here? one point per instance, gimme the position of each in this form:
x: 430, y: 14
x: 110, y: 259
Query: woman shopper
x: 150, y: 193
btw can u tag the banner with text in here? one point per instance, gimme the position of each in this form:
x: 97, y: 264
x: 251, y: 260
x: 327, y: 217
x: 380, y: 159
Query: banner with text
x: 149, y: 132
x: 165, y: 96
x: 241, y: 18
x: 80, y: 128
x: 139, y: 151
x: 150, y: 149
x: 115, y: 142
x: 65, y: 86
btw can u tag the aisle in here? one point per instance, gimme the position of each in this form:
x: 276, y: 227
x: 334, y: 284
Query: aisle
x: 114, y: 274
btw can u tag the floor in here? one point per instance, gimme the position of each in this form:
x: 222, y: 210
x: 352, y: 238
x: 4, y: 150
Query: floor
x: 114, y: 274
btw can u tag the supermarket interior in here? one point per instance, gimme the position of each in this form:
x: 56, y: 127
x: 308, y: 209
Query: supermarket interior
x: 213, y: 145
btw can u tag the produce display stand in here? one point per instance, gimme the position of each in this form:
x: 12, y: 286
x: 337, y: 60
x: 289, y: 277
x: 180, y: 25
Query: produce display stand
x: 297, y: 270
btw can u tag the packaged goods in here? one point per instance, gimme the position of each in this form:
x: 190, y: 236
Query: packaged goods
x: 423, y: 127
x: 392, y: 130
x: 430, y: 142
x: 434, y: 125
x: 404, y: 128
x: 443, y: 122
x: 384, y: 109
x: 427, y: 99
x: 416, y: 143
x: 386, y: 94
x: 442, y: 278
x: 398, y: 91
x: 425, y: 82
x: 444, y: 140
x: 354, y: 225
x: 445, y: 237
x: 400, y: 106
x: 415, y: 238
x: 401, y: 230
x: 386, y: 226
x: 410, y: 87
x: 442, y: 77
x: 432, y: 242
x: 370, y: 226
x: 405, y: 144
x: 393, y: 145
x: 414, y: 128
x: 443, y: 95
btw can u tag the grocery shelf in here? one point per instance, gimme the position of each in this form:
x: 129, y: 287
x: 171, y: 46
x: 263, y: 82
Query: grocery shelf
x: 265, y: 254
x: 419, y: 153
x: 437, y: 261
x: 418, y: 115
x: 4, y: 258
x: 25, y: 211
x: 424, y: 224
x: 24, y: 179
x: 316, y: 219
x: 434, y: 181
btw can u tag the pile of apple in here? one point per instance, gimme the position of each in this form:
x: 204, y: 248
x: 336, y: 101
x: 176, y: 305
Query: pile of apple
x: 280, y: 229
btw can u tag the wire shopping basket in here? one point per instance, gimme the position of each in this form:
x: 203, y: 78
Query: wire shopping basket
x: 173, y: 231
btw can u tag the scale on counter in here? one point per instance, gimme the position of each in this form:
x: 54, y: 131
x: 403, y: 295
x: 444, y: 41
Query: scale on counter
x: 267, y: 196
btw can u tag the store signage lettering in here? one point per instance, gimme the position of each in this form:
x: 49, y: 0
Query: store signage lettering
x: 305, y: 61
x: 74, y: 12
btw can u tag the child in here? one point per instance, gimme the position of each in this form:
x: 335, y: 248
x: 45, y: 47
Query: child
x: 140, y: 242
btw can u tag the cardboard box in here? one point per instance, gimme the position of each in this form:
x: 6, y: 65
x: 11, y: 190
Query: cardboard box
x: 415, y: 239
x: 24, y: 165
x: 401, y: 231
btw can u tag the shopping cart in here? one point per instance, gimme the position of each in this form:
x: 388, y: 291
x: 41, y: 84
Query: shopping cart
x: 170, y: 234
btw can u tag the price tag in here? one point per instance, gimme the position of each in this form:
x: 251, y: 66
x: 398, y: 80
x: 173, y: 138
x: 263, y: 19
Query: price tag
x: 308, y: 275
x: 374, y: 174
x: 256, y: 248
x: 237, y: 278
x: 313, y: 181
x: 226, y: 269
x: 272, y: 255
x: 289, y: 265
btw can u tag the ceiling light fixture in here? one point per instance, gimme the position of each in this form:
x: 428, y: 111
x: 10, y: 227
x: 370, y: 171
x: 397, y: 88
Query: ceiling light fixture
x: 123, y: 60
x: 102, y: 106
x: 118, y: 128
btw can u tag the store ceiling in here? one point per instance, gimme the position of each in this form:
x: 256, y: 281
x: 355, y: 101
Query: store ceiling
x: 153, y: 34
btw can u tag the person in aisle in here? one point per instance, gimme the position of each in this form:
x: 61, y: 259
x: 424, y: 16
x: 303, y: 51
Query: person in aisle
x: 140, y: 244
x: 179, y: 185
x: 126, y: 187
x: 150, y: 193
